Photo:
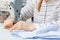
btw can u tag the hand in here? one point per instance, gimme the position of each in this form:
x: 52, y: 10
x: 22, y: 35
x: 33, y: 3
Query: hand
x: 8, y: 23
x: 23, y: 26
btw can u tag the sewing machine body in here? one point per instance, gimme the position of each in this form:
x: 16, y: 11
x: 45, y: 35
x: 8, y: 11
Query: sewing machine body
x: 12, y: 6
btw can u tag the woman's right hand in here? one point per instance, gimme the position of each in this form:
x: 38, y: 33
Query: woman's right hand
x: 8, y: 23
x: 21, y: 25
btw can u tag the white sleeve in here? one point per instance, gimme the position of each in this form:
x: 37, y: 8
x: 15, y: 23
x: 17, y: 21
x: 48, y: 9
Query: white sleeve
x: 27, y: 11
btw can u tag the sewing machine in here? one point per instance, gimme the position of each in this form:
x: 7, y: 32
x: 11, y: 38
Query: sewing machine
x: 15, y: 8
x: 12, y: 6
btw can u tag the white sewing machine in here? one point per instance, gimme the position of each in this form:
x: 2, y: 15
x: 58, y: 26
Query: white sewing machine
x: 12, y: 6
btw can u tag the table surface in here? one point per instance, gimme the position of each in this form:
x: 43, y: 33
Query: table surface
x: 6, y: 35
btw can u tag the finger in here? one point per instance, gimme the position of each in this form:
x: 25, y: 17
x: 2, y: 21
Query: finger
x: 18, y: 28
x: 8, y: 25
x: 13, y: 27
x: 11, y: 30
x: 5, y: 24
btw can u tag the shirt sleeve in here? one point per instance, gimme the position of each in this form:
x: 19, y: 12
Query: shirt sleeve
x: 27, y: 11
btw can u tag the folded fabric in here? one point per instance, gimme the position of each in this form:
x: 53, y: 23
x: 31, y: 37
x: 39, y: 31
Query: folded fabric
x: 49, y: 31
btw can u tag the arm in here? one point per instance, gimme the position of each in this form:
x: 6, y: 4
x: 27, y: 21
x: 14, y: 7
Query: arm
x: 27, y: 11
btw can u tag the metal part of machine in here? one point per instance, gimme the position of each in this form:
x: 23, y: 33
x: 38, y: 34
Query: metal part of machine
x: 15, y: 8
